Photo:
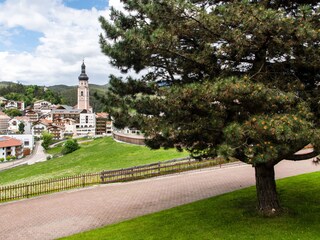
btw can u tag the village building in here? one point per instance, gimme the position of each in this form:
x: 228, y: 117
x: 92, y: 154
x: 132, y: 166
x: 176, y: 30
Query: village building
x: 40, y: 104
x: 16, y: 121
x: 86, y: 125
x: 11, y: 104
x: 26, y: 139
x: 62, y: 120
x: 4, y: 122
x: 103, y: 124
x: 32, y: 115
x: 56, y: 131
x: 62, y: 112
x: 39, y: 127
x: 69, y: 127
x: 10, y: 148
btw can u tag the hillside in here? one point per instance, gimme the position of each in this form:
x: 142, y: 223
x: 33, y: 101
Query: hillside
x: 61, y: 93
x: 97, y: 155
x: 69, y: 94
x: 28, y: 93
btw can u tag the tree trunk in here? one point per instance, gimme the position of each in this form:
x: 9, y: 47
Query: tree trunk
x: 268, y: 203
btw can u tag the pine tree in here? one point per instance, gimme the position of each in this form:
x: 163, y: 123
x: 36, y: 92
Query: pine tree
x: 21, y: 127
x: 222, y: 78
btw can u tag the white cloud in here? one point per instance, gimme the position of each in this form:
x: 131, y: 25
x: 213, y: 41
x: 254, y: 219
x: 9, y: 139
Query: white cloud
x: 69, y: 35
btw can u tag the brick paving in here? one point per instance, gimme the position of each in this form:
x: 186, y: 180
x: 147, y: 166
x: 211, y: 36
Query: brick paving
x: 66, y: 213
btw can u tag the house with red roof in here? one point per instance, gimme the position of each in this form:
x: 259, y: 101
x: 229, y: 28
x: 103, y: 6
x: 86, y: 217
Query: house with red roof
x: 10, y: 148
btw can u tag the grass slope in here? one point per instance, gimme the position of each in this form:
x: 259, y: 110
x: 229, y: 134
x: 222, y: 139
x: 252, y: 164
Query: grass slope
x: 100, y: 154
x: 228, y: 216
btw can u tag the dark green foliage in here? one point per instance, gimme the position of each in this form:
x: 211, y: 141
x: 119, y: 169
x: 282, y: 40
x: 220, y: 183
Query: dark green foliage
x: 28, y: 94
x: 225, y: 78
x: 70, y: 146
x: 239, y: 78
x: 21, y: 127
x: 13, y: 112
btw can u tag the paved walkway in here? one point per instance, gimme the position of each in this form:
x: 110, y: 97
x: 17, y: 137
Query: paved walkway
x: 66, y: 213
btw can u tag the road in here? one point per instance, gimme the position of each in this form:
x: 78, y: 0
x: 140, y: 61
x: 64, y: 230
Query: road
x: 38, y: 155
x: 65, y: 213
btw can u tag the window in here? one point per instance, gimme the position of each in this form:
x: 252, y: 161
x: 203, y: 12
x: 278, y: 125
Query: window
x: 26, y: 143
x: 81, y: 93
x: 87, y: 119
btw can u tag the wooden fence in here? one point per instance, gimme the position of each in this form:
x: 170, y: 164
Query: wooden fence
x: 26, y: 190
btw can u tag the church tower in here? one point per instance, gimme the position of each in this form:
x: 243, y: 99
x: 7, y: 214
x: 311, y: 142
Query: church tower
x: 83, y: 90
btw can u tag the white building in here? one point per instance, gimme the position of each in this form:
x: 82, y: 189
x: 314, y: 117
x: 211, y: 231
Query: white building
x: 38, y: 105
x: 87, y: 124
x: 15, y: 122
x: 4, y: 122
x: 38, y: 129
x: 10, y: 147
x: 69, y: 127
x: 11, y: 104
x: 26, y: 139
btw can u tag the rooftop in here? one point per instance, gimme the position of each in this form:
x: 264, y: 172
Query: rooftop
x: 9, y: 142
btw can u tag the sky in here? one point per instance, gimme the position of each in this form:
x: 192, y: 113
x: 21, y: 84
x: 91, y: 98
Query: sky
x: 44, y: 42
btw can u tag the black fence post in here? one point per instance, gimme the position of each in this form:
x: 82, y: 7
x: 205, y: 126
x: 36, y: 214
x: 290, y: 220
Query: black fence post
x: 159, y: 168
x: 83, y: 181
x: 28, y: 190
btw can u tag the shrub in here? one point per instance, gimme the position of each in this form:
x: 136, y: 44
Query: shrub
x: 70, y: 146
x: 9, y: 158
x: 47, y: 139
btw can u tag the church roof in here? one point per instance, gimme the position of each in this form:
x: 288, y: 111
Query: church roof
x: 83, y: 75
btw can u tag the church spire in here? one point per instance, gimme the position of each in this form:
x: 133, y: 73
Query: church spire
x: 83, y: 75
x: 83, y: 90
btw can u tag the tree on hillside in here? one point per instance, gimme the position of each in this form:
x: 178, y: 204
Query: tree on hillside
x: 21, y: 127
x: 29, y: 94
x: 224, y: 78
x: 47, y: 139
x: 13, y: 112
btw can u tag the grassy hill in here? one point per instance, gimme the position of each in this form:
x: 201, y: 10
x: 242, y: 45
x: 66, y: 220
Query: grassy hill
x: 100, y: 154
x: 228, y: 216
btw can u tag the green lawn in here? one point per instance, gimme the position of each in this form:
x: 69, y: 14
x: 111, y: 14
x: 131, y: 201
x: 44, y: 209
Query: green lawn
x: 100, y: 154
x: 55, y: 150
x: 228, y: 216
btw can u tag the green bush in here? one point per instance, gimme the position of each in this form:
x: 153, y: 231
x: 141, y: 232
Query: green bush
x: 70, y: 146
x: 9, y: 158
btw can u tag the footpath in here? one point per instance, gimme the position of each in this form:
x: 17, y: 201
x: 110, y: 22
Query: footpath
x: 66, y: 213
